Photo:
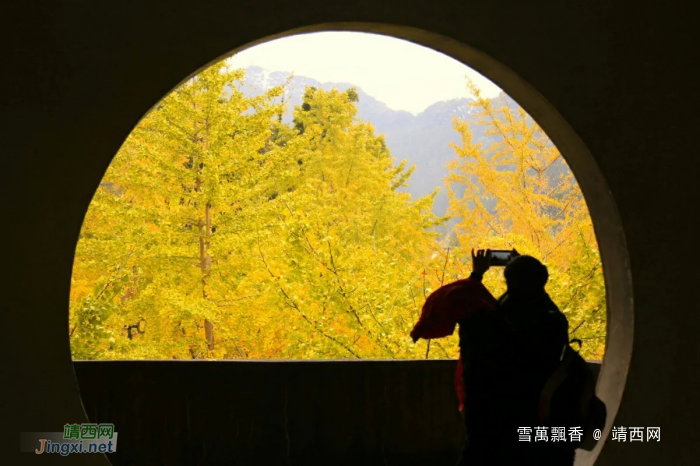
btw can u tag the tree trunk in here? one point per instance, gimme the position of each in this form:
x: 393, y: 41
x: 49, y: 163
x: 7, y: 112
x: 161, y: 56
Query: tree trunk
x: 209, y: 333
x: 205, y: 265
x: 204, y: 227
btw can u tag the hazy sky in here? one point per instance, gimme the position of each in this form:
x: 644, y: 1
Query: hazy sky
x: 401, y: 74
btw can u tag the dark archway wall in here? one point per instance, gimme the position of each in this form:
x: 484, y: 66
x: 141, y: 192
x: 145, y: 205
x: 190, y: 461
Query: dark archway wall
x: 77, y: 76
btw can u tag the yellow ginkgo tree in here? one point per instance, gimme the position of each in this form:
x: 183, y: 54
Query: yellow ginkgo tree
x: 519, y: 193
x: 220, y: 232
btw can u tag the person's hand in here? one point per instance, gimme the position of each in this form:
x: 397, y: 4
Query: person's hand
x: 514, y: 254
x: 417, y: 331
x: 480, y: 261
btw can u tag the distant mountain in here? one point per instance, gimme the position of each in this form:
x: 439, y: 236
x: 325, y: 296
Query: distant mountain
x: 423, y: 139
x: 370, y: 109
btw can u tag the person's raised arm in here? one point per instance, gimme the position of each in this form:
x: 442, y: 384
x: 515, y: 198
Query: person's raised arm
x: 480, y: 264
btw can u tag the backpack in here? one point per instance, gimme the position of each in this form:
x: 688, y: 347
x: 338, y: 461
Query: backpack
x: 568, y: 399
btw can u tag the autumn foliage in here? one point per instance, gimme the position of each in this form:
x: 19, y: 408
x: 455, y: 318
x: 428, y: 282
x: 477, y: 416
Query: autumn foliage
x: 219, y: 232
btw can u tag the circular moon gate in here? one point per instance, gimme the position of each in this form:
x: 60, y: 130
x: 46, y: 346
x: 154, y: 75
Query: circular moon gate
x: 602, y: 207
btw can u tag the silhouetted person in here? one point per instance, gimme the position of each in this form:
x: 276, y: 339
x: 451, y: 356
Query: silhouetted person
x: 470, y: 304
x: 508, y: 349
x: 488, y: 382
x: 536, y: 333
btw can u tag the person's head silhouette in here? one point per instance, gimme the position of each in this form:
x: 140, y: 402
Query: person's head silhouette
x: 525, y: 275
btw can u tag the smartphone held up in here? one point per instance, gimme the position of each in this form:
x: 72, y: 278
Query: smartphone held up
x: 500, y: 257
